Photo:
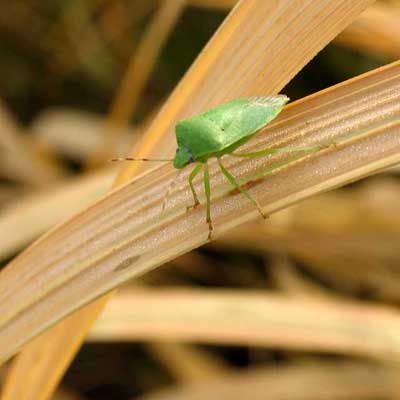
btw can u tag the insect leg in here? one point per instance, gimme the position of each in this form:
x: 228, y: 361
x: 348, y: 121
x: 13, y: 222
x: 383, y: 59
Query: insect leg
x: 235, y: 183
x: 208, y: 199
x: 192, y: 175
x: 170, y: 187
x: 275, y: 150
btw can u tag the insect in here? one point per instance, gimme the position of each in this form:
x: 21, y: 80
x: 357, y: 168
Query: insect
x: 221, y: 131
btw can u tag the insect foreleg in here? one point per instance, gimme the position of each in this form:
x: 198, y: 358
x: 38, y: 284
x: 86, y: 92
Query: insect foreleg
x: 207, y: 191
x: 192, y: 175
x: 234, y: 183
x: 274, y: 150
x: 170, y: 187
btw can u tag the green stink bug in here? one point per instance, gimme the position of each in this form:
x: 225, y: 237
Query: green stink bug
x: 221, y: 131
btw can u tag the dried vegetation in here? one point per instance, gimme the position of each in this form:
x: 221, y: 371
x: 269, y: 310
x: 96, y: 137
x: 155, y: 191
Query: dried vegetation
x: 301, y: 306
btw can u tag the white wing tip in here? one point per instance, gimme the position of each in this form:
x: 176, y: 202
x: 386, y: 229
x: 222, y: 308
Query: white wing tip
x: 273, y: 100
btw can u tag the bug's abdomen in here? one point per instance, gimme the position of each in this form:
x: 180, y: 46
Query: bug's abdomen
x: 221, y: 130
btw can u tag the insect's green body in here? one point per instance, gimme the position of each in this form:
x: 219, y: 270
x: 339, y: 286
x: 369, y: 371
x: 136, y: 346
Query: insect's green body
x: 224, y: 128
x: 221, y: 131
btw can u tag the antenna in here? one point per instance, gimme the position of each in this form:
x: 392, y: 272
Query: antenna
x: 141, y: 159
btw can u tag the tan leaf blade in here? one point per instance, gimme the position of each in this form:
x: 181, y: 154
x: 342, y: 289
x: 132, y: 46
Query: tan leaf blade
x: 137, y: 74
x: 251, y: 318
x: 126, y: 234
x: 305, y: 381
x: 294, y: 32
x: 66, y: 199
x: 16, y: 159
x: 237, y: 63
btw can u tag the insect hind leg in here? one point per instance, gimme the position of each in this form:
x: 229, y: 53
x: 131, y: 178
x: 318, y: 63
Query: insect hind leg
x: 207, y: 191
x: 236, y: 184
x: 275, y: 150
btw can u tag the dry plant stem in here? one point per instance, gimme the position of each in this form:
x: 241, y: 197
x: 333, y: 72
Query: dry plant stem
x: 348, y: 238
x: 292, y: 283
x: 76, y: 25
x: 219, y: 4
x: 187, y: 364
x: 75, y: 134
x: 21, y: 221
x: 63, y: 202
x: 136, y: 77
x: 308, y: 381
x: 114, y: 26
x: 64, y: 394
x: 44, y: 361
x: 48, y: 371
x: 125, y: 234
x: 377, y: 30
x: 16, y: 159
x: 237, y: 63
x: 252, y: 318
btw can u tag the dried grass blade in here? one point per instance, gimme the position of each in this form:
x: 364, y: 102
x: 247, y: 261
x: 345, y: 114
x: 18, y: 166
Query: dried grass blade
x: 223, y: 51
x: 377, y: 30
x: 114, y: 240
x: 237, y: 63
x: 136, y: 77
x: 218, y: 4
x: 317, y: 381
x: 251, y: 318
x: 17, y: 160
x: 21, y: 221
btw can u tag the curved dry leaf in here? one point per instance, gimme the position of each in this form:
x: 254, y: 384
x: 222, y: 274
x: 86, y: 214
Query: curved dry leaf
x: 136, y: 76
x: 74, y: 134
x: 251, y: 318
x: 348, y: 238
x: 273, y: 58
x: 376, y: 30
x: 24, y: 220
x: 126, y: 234
x: 237, y: 63
x: 218, y: 4
x: 188, y: 364
x: 17, y: 161
x: 322, y: 381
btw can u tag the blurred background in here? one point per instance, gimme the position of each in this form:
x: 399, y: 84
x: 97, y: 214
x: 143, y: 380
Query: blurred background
x: 79, y: 83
